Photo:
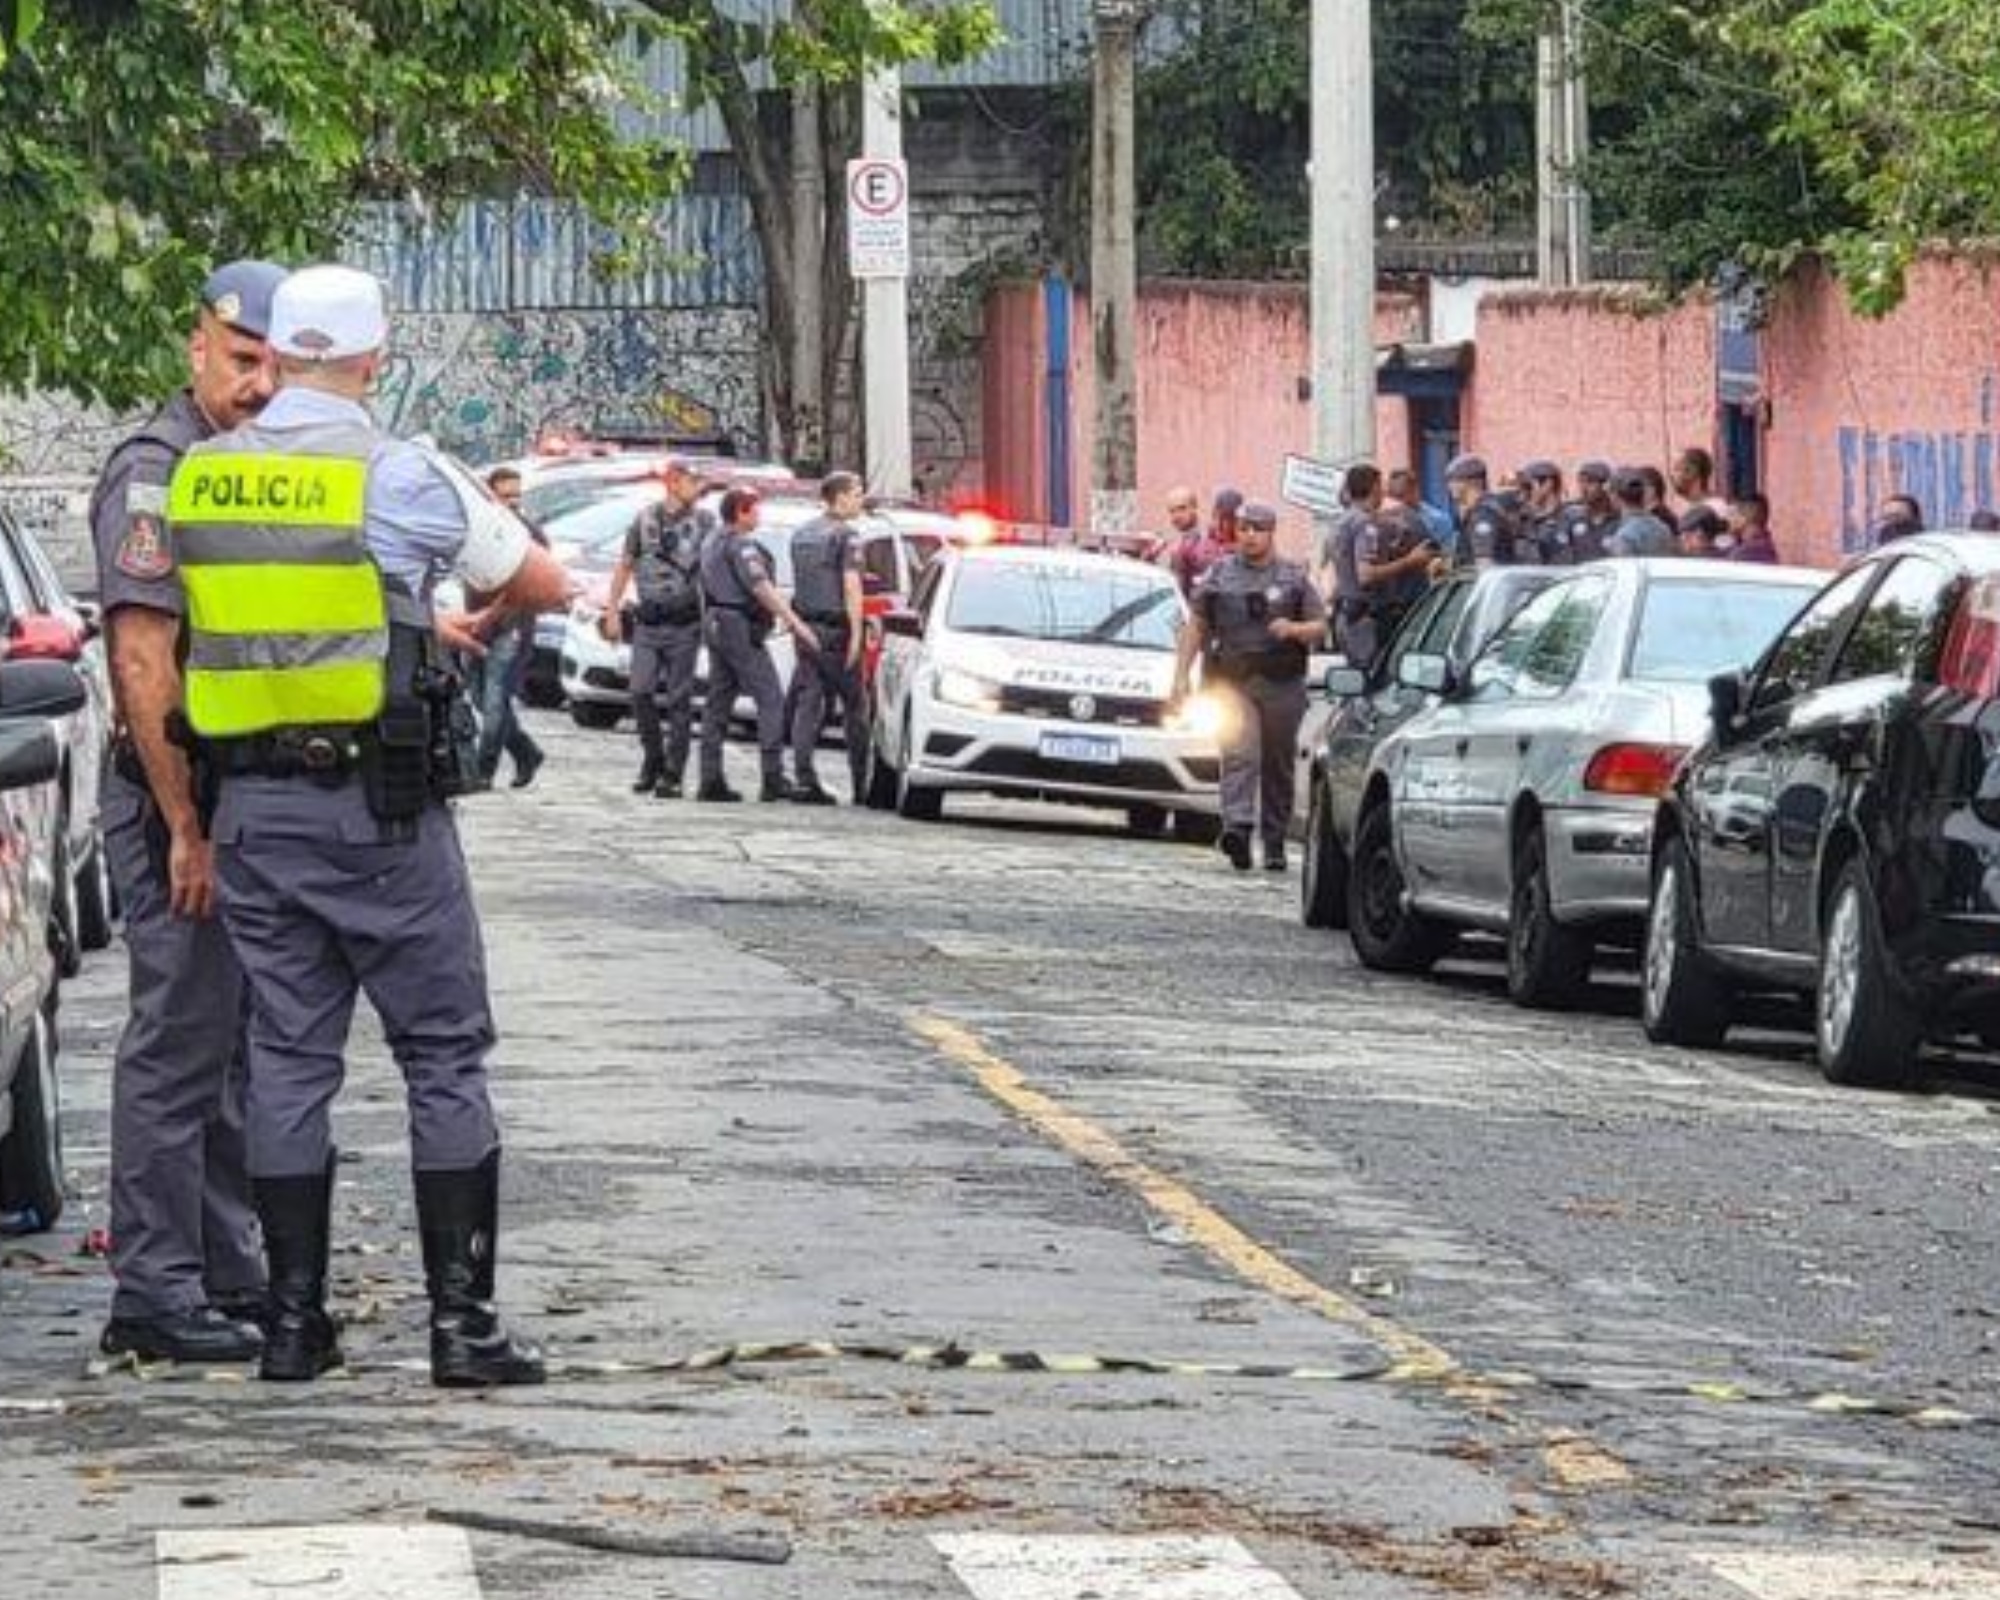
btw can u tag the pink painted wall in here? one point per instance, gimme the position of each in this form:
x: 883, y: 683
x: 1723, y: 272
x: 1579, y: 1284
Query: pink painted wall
x: 1220, y: 368
x: 1861, y: 410
x: 1579, y: 375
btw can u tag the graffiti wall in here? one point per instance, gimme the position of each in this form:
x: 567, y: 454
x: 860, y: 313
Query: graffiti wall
x: 485, y: 383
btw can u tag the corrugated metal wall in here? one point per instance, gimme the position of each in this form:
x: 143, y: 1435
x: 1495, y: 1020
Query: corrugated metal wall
x: 541, y: 255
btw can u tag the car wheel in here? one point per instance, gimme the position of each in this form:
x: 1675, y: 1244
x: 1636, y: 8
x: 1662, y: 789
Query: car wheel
x: 63, y: 939
x: 95, y: 918
x: 1682, y: 999
x: 589, y: 714
x: 1387, y: 934
x: 880, y: 793
x: 913, y: 803
x: 1197, y: 828
x: 1148, y: 822
x: 1323, y: 881
x: 1548, y: 965
x: 31, y: 1156
x: 1869, y: 1035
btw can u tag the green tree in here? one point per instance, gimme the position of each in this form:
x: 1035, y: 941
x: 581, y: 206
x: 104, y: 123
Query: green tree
x: 140, y: 143
x: 789, y: 93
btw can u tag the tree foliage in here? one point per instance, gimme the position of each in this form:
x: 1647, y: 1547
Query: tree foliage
x: 141, y: 143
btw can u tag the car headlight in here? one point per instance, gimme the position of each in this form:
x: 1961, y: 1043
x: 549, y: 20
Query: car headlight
x: 1203, y: 716
x: 957, y: 688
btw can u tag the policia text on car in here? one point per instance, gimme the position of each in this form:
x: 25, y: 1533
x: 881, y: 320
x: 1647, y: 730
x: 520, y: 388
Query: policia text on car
x: 308, y: 543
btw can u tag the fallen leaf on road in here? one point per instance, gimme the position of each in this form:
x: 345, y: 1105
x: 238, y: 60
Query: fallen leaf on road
x: 1577, y: 1463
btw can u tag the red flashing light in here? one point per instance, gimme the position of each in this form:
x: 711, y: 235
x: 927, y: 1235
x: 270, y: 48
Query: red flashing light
x: 1634, y: 769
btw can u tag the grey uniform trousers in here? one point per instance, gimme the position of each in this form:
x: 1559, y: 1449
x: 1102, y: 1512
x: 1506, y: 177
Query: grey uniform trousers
x: 182, y: 1228
x: 664, y: 658
x: 821, y: 680
x: 738, y: 663
x: 321, y: 907
x: 1260, y: 754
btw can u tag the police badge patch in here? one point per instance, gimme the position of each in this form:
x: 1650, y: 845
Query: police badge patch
x: 144, y: 552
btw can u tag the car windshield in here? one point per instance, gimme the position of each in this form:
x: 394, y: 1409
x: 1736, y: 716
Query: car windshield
x: 1081, y: 604
x: 598, y: 529
x: 571, y: 492
x: 1691, y: 630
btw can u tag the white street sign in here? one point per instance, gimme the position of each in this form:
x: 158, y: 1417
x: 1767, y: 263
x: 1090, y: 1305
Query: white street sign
x: 878, y: 218
x: 1312, y: 485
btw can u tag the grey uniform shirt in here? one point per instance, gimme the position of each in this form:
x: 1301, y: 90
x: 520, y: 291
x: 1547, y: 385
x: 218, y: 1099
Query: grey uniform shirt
x: 128, y: 511
x: 664, y: 546
x: 1277, y: 590
x: 824, y: 551
x: 732, y: 565
x: 1642, y: 535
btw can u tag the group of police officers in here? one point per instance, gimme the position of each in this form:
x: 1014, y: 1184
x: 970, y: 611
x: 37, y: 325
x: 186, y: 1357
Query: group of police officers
x: 290, y: 729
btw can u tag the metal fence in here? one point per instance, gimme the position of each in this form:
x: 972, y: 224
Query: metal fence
x: 548, y: 255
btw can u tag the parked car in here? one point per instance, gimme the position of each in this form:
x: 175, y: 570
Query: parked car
x: 1046, y: 673
x: 1837, y: 833
x: 34, y: 697
x: 1522, y: 802
x: 39, y: 621
x: 1454, y: 620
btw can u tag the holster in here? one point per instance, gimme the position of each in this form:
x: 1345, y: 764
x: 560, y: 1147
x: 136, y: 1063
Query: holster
x: 425, y: 745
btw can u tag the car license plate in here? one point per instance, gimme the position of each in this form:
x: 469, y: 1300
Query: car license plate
x: 1080, y: 747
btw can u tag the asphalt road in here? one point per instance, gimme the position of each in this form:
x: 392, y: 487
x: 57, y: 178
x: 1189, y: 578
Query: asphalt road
x: 1580, y: 1316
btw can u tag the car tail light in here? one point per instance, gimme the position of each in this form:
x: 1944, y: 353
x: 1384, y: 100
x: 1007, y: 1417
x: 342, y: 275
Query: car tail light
x: 1971, y: 661
x: 42, y: 638
x: 1642, y: 769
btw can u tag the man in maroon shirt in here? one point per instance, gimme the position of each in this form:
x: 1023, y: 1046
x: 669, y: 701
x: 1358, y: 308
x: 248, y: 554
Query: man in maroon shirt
x: 1752, y: 528
x: 1197, y: 551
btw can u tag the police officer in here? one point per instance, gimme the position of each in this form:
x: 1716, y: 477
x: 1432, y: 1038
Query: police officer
x: 308, y: 542
x: 1252, y: 622
x: 1488, y: 534
x: 827, y: 593
x: 1381, y: 559
x: 663, y: 552
x: 741, y: 600
x: 1541, y: 514
x: 1588, y: 520
x: 184, y: 1255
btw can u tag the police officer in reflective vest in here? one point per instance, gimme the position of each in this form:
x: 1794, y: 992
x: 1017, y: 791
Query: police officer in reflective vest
x: 740, y: 601
x: 1252, y: 621
x: 184, y: 1252
x: 662, y: 557
x: 827, y: 594
x: 308, y: 543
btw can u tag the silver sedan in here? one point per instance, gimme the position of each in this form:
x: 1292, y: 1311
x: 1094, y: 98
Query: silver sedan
x: 1521, y: 803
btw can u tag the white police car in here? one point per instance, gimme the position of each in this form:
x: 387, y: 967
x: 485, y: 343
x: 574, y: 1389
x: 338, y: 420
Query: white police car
x: 1043, y: 672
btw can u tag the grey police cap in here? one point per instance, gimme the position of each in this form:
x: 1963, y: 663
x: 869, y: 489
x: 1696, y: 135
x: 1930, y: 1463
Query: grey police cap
x: 1595, y: 471
x: 240, y: 293
x: 1256, y: 514
x: 1228, y: 502
x: 1466, y: 469
x: 1537, y: 470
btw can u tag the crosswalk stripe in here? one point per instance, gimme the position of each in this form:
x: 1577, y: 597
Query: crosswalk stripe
x: 344, y: 1563
x: 1822, y: 1575
x: 996, y: 1566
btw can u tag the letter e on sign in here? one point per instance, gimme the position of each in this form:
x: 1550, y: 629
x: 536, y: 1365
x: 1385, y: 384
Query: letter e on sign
x: 878, y: 218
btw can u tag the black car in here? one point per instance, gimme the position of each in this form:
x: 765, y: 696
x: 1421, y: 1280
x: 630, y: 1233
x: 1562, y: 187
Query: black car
x: 1838, y: 834
x: 32, y: 695
x: 1454, y: 620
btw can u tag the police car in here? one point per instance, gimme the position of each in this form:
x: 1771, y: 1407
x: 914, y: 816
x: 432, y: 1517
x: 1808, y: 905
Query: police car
x: 1047, y: 673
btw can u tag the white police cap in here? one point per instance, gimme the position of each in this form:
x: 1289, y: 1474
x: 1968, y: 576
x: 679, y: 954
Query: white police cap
x: 328, y: 313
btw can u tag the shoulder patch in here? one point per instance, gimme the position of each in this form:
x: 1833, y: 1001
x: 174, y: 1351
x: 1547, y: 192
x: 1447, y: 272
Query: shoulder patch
x: 144, y: 553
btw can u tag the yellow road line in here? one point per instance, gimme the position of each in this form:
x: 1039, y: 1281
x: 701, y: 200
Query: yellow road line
x: 1206, y: 1228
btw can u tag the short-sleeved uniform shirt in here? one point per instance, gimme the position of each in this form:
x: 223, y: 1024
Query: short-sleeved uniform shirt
x: 1277, y: 589
x: 128, y: 511
x: 731, y: 569
x: 664, y: 543
x: 1642, y: 535
x: 824, y: 551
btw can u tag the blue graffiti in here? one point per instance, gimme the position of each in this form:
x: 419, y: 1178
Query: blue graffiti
x: 1951, y: 475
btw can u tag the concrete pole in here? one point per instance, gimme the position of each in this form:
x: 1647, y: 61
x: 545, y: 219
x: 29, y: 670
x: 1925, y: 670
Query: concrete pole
x: 885, y: 315
x: 1114, y: 271
x: 1576, y: 126
x: 1562, y: 136
x: 1343, y: 231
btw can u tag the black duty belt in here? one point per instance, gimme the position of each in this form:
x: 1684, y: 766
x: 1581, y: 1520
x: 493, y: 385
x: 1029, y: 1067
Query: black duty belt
x: 741, y: 611
x: 324, y: 756
x: 827, y: 619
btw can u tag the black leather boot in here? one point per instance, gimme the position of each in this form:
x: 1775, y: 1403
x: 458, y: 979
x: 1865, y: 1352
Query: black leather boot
x: 458, y: 1214
x: 296, y: 1214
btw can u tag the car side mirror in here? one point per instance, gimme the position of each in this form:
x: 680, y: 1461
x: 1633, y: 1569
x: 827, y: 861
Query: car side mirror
x: 29, y: 754
x: 39, y: 689
x: 903, y: 624
x: 1345, y: 683
x: 42, y: 638
x: 1427, y: 674
x: 1725, y: 703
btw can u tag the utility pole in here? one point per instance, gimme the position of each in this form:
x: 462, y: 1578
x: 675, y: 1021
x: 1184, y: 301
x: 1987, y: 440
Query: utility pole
x: 1114, y: 270
x: 885, y: 311
x: 1562, y: 139
x: 1343, y: 231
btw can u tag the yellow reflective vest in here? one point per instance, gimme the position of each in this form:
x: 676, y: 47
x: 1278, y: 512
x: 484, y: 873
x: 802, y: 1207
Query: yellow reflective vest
x: 287, y: 618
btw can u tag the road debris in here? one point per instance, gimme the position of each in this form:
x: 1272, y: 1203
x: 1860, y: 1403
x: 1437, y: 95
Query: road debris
x: 760, y: 1549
